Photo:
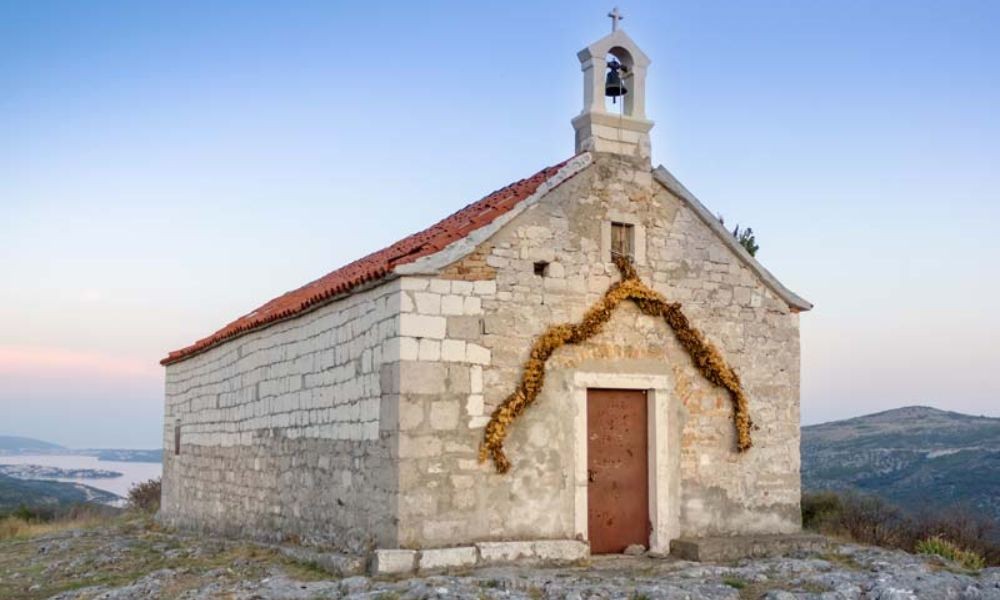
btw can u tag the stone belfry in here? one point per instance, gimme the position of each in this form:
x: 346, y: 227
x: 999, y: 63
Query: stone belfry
x: 624, y: 129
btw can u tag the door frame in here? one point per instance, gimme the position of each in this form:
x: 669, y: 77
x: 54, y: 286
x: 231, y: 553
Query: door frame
x: 663, y: 445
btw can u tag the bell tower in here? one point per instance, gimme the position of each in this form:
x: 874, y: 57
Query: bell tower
x: 614, y: 67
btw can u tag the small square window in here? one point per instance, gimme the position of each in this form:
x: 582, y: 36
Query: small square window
x: 623, y: 240
x: 541, y: 268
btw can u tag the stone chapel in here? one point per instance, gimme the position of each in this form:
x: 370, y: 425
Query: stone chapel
x: 578, y: 362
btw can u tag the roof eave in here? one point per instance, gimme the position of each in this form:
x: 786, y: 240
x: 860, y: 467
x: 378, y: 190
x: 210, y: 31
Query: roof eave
x: 426, y: 264
x: 667, y: 180
x: 193, y: 350
x: 462, y: 247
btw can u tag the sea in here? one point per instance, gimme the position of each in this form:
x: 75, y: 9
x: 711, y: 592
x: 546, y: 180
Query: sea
x: 132, y: 472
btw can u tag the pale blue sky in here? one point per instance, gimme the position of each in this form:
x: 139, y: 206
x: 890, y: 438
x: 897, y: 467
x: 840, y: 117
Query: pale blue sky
x: 167, y: 166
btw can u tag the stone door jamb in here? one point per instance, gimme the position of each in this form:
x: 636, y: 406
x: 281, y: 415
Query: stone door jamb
x: 664, y: 466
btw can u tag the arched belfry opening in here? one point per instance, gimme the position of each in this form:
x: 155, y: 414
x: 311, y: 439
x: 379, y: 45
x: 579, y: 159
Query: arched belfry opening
x: 617, y: 81
x: 613, y: 118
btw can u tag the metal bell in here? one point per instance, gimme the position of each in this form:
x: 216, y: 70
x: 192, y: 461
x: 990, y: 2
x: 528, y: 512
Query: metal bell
x: 613, y: 84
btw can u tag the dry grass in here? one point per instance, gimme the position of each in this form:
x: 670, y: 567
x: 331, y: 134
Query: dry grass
x: 871, y: 520
x: 16, y: 528
x: 120, y: 549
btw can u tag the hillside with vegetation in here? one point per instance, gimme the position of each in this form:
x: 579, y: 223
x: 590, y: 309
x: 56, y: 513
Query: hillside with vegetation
x: 16, y: 492
x: 917, y: 457
x: 119, y: 455
x: 14, y: 444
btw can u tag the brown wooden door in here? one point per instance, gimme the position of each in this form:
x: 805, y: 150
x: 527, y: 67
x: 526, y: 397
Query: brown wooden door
x: 617, y: 470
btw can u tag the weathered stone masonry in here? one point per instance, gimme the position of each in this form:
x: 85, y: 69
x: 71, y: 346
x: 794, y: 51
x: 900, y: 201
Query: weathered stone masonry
x: 348, y: 413
x: 282, y: 430
x: 448, y: 497
x: 358, y: 424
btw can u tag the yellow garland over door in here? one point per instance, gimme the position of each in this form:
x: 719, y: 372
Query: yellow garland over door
x: 706, y: 358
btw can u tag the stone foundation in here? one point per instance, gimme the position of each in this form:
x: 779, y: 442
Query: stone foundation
x: 548, y: 552
x: 728, y: 549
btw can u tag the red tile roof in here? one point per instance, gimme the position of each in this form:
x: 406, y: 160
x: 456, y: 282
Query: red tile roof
x: 376, y: 265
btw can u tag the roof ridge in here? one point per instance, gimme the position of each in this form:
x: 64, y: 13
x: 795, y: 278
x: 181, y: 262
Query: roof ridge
x: 376, y: 265
x: 667, y: 180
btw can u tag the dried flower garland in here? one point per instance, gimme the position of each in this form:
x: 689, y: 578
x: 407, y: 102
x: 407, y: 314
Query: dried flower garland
x: 705, y: 356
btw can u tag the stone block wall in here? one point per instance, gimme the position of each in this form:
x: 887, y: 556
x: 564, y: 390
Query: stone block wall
x: 286, y: 432
x: 468, y: 350
x: 440, y: 399
x: 357, y: 425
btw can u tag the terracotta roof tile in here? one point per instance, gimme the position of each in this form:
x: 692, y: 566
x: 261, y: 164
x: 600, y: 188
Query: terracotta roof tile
x: 376, y: 265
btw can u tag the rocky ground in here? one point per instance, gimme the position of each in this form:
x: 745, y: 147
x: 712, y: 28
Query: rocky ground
x: 132, y: 558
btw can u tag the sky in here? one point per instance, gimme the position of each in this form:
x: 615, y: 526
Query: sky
x: 168, y: 166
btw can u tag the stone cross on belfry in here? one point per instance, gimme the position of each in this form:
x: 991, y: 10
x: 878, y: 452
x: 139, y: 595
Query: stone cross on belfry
x: 615, y: 17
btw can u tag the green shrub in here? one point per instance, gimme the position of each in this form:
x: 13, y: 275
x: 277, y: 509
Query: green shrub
x: 746, y: 239
x: 872, y: 520
x: 821, y: 510
x: 145, y: 496
x: 945, y: 549
x: 24, y: 513
x: 734, y: 582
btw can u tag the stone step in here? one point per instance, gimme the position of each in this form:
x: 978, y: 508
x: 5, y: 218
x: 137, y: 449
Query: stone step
x: 731, y: 548
x: 535, y: 552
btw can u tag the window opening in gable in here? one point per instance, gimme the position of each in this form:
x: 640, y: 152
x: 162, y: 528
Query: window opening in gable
x: 623, y: 240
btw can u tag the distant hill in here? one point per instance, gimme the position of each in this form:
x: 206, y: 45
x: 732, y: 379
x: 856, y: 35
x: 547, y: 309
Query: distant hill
x: 150, y: 456
x: 915, y: 457
x: 34, y: 493
x: 13, y: 443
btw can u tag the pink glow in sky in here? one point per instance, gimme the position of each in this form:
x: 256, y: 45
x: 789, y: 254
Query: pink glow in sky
x: 166, y: 167
x: 44, y: 362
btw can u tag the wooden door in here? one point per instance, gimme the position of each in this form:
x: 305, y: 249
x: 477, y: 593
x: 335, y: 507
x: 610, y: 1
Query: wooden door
x: 617, y: 470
